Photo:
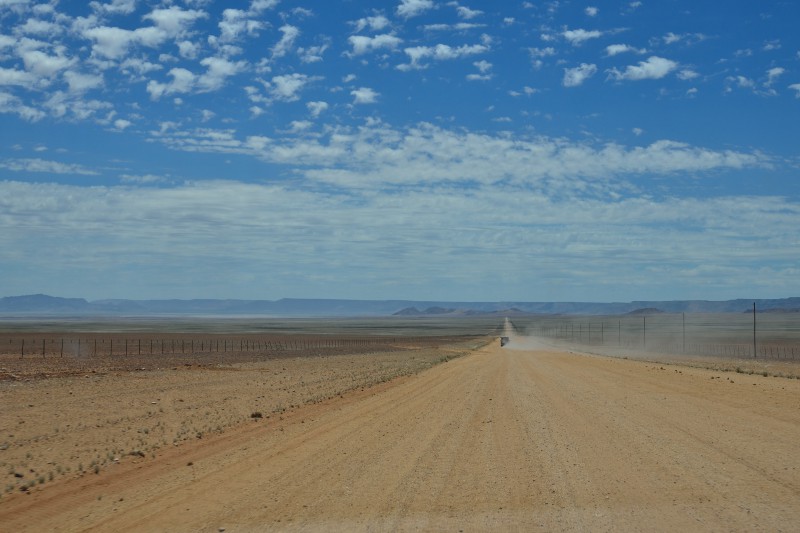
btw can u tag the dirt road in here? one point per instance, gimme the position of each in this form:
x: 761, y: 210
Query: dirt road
x: 500, y: 439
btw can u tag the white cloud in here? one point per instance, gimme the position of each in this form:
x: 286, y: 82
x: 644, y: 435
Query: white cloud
x: 183, y: 81
x: 286, y: 87
x: 139, y: 67
x: 542, y: 52
x: 45, y: 166
x: 362, y: 44
x: 484, y: 69
x: 795, y: 87
x: 290, y: 34
x: 377, y: 154
x: 41, y: 64
x: 12, y: 76
x: 312, y: 54
x: 412, y: 8
x: 188, y: 49
x: 574, y: 77
x: 121, y: 124
x: 633, y: 243
x: 79, y: 82
x: 375, y: 23
x: 688, y: 38
x: 174, y: 20
x: 460, y: 26
x: 218, y: 70
x: 257, y: 6
x: 13, y: 105
x: 440, y: 52
x: 591, y: 11
x: 316, y: 108
x: 579, y: 36
x: 115, y: 7
x: 39, y: 27
x: 113, y: 42
x: 653, y: 69
x: 236, y: 23
x: 364, y: 95
x: 687, y: 74
x: 616, y: 49
x: 467, y: 13
x: 144, y: 179
x: 773, y: 74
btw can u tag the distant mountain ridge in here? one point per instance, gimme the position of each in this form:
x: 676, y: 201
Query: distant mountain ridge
x: 42, y: 304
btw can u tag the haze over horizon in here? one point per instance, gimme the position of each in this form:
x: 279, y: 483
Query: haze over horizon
x: 408, y: 150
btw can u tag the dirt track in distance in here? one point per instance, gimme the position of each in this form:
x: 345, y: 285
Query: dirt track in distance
x: 500, y: 439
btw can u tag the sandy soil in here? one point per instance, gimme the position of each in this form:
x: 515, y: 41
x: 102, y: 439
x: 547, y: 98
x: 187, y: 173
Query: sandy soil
x: 499, y: 439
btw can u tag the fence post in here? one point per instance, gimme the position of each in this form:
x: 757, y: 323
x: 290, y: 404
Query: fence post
x: 683, y: 316
x: 644, y: 332
x: 755, y: 354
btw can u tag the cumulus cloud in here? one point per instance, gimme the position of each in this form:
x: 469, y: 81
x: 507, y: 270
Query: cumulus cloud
x: 467, y: 13
x: 174, y: 20
x: 440, y: 52
x: 574, y: 77
x: 795, y: 87
x: 121, y: 124
x: 218, y: 70
x: 364, y: 95
x: 287, y: 87
x: 21, y: 78
x: 653, y: 68
x: 183, y: 81
x: 113, y: 42
x: 773, y: 74
x: 79, y: 82
x: 290, y: 34
x: 316, y: 108
x: 115, y: 7
x: 362, y: 44
x: 580, y: 36
x: 616, y: 49
x: 484, y: 69
x: 591, y: 11
x: 412, y: 8
x: 12, y: 104
x: 375, y: 23
x: 42, y: 64
x: 237, y: 23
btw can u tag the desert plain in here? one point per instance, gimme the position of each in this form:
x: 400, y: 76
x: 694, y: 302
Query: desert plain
x: 442, y: 433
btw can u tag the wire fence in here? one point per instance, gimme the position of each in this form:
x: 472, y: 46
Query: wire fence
x: 763, y: 336
x: 107, y: 345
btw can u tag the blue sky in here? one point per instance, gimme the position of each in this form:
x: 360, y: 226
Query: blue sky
x: 414, y: 149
